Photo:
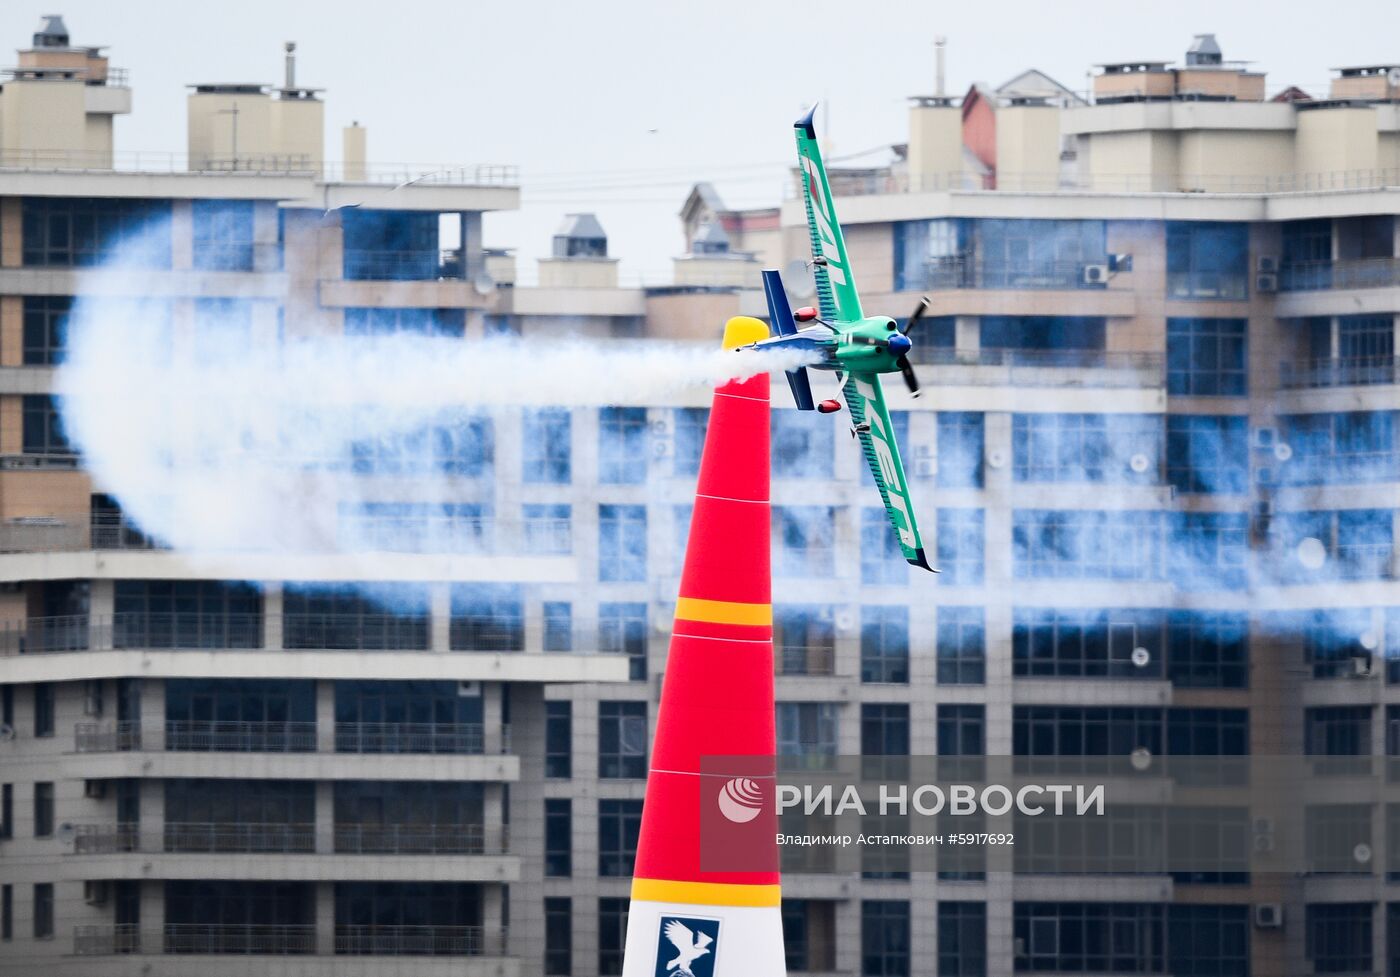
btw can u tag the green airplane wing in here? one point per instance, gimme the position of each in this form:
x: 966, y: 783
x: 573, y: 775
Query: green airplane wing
x: 836, y: 287
x: 866, y: 402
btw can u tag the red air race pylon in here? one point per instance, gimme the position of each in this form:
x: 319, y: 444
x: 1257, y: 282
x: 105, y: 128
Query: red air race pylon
x: 705, y: 897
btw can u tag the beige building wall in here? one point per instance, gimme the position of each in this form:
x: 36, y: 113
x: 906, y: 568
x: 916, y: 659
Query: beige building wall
x: 1137, y: 160
x: 1337, y: 140
x: 43, y: 120
x: 935, y: 146
x: 1028, y: 147
x: 578, y: 273
x: 11, y: 330
x: 298, y: 127
x: 1222, y: 160
x: 212, y: 128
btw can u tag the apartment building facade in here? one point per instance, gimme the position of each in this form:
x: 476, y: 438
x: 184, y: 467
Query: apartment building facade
x: 1155, y: 458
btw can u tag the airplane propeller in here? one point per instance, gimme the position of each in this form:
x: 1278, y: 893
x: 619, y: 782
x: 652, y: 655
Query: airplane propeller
x: 906, y: 370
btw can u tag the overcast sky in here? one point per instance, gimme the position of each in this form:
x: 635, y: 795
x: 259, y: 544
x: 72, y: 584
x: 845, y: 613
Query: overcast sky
x: 572, y: 91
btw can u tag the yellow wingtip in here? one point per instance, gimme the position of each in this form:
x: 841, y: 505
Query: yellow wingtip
x: 743, y: 330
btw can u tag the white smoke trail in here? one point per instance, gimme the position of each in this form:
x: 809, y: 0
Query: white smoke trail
x: 227, y: 445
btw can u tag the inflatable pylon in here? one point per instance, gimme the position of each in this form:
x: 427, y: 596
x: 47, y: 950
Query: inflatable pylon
x: 705, y: 896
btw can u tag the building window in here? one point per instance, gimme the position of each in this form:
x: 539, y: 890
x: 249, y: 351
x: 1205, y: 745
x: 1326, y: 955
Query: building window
x: 622, y: 630
x: 442, y: 323
x: 1207, y: 732
x: 394, y: 245
x: 806, y: 540
x: 962, y: 729
x: 558, y: 936
x: 961, y: 445
x: 884, y: 729
x: 1209, y: 550
x: 680, y: 536
x: 7, y: 912
x: 1036, y: 253
x: 1087, y: 544
x: 43, y: 910
x: 1333, y: 833
x: 807, y: 729
x: 619, y: 822
x: 43, y: 708
x: 187, y: 614
x: 881, y: 559
x: 1339, y: 937
x: 545, y: 446
x: 622, y: 445
x: 558, y: 837
x: 1208, y: 650
x: 622, y: 543
x: 349, y: 621
x: 884, y: 938
x: 804, y: 639
x: 622, y: 740
x: 1206, y: 357
x: 884, y: 644
x: 1085, y: 730
x: 558, y: 739
x: 223, y: 235
x: 457, y: 443
x: 558, y: 625
x: 7, y: 811
x: 803, y: 444
x: 612, y: 935
x: 688, y: 439
x: 1331, y: 639
x: 486, y: 617
x: 46, y: 319
x: 1356, y: 544
x: 43, y: 432
x: 961, y: 547
x: 548, y: 528
x: 1339, y: 449
x: 1114, y: 448
x: 1089, y: 937
x: 962, y: 657
x: 1208, y: 454
x: 82, y: 232
x: 43, y: 809
x: 932, y: 254
x: 1050, y: 643
x: 1207, y: 260
x: 1337, y: 731
x: 1043, y: 340
x: 416, y: 716
x: 962, y: 939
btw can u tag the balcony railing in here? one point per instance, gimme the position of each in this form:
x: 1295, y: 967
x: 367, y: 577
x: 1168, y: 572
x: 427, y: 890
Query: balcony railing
x: 200, y: 736
x: 966, y: 271
x: 281, y: 838
x: 1312, y: 276
x: 401, y: 266
x: 413, y: 738
x: 419, y: 941
x: 805, y: 660
x: 485, y: 633
x: 421, y: 839
x: 1207, y: 285
x: 1335, y: 371
x: 195, y: 938
x: 1043, y: 367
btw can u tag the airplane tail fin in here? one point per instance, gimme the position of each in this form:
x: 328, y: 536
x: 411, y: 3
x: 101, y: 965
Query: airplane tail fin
x: 780, y: 315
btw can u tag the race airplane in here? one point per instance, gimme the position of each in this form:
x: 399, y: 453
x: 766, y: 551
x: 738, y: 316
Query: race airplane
x: 857, y: 347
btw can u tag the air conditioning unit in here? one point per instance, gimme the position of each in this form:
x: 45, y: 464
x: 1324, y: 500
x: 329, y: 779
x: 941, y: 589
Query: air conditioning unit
x: 925, y: 468
x: 1264, y: 438
x: 996, y: 458
x: 1266, y: 264
x: 95, y: 789
x: 1095, y: 275
x: 1268, y: 915
x: 469, y: 690
x: 1361, y: 666
x: 1266, y: 281
x: 95, y: 892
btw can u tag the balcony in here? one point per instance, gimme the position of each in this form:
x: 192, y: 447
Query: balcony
x: 261, y: 939
x: 1338, y: 371
x: 1198, y: 285
x: 952, y: 272
x: 1040, y: 367
x: 247, y: 838
x: 419, y: 941
x: 819, y: 660
x: 414, y: 738
x: 1316, y: 276
x: 217, y: 736
x: 404, y: 266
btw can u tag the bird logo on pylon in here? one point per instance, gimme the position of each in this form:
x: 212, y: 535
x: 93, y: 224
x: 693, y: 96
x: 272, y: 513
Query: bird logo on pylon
x: 694, y: 942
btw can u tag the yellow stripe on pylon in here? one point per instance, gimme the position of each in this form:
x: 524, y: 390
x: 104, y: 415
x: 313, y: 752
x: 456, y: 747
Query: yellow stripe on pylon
x: 706, y: 893
x: 723, y: 611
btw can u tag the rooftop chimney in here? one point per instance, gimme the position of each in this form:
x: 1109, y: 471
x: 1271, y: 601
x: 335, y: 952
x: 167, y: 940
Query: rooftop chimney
x: 580, y: 236
x: 52, y: 32
x: 291, y: 80
x: 940, y: 43
x: 1203, y: 51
